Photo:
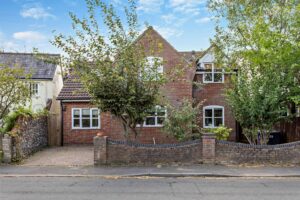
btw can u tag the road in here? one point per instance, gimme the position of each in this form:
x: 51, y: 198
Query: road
x: 84, y: 188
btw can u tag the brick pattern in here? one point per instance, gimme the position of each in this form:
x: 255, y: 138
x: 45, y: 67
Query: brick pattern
x: 110, y: 126
x: 213, y: 94
x: 238, y: 153
x: 208, y: 145
x: 133, y: 154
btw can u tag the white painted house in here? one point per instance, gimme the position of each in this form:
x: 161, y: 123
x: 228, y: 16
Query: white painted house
x: 46, y: 77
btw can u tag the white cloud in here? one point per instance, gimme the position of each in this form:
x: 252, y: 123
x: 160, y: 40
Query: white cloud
x: 176, y: 21
x: 36, y: 12
x: 167, y: 32
x: 150, y: 5
x: 203, y: 20
x: 169, y: 18
x: 29, y: 36
x: 191, y: 7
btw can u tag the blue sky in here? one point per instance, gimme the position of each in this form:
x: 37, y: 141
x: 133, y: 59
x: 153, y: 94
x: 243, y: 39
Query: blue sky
x: 25, y: 24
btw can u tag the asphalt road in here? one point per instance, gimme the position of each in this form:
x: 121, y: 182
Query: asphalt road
x: 82, y: 188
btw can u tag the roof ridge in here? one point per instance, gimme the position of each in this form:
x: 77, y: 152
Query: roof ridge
x: 25, y: 53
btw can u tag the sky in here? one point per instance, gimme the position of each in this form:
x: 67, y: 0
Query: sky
x: 24, y: 24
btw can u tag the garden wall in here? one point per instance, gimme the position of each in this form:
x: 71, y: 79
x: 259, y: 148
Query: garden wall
x: 28, y: 136
x: 109, y: 151
x: 206, y: 150
x: 238, y: 153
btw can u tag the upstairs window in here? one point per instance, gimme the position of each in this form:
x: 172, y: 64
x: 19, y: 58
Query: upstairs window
x: 34, y: 89
x: 213, y: 116
x: 150, y: 63
x: 85, y: 118
x: 156, y: 117
x: 212, y: 74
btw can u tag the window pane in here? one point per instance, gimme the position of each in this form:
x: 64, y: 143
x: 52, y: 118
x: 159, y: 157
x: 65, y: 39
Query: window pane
x: 208, y: 112
x: 208, y: 76
x: 95, y: 122
x: 150, y: 120
x: 85, y: 123
x: 95, y: 113
x: 160, y: 120
x: 86, y: 113
x: 217, y: 77
x: 76, y: 113
x: 218, y: 122
x: 208, y: 121
x: 218, y: 112
x: 76, y: 123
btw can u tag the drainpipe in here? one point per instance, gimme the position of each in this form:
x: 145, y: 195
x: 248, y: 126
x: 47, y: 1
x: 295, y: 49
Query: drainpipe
x: 62, y: 123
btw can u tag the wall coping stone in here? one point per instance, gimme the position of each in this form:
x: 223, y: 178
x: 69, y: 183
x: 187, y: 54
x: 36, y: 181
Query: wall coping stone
x: 133, y: 144
x: 242, y: 145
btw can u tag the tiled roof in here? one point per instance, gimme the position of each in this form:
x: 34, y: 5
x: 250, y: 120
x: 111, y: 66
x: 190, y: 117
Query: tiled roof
x: 73, y: 90
x: 33, y: 65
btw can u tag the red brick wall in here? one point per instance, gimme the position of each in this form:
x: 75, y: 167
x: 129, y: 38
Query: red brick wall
x: 213, y: 94
x: 110, y: 126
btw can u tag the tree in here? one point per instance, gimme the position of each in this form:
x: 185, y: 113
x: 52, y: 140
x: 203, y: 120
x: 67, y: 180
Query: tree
x: 182, y: 121
x: 111, y: 63
x: 261, y: 40
x: 14, y: 90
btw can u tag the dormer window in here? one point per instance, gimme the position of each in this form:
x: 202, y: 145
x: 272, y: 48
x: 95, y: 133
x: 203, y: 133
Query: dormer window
x: 212, y: 74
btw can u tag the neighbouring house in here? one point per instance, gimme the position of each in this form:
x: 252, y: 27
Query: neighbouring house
x: 82, y: 121
x: 46, y: 83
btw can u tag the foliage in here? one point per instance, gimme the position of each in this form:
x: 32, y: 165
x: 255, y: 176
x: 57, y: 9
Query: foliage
x: 222, y: 132
x: 111, y: 63
x: 261, y: 40
x: 10, y: 120
x: 14, y: 90
x: 182, y: 121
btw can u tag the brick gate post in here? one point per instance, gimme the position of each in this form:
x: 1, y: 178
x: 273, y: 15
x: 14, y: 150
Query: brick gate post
x: 208, y: 147
x: 100, y: 150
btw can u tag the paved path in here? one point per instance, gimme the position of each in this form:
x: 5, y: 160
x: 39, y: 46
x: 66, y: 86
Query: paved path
x: 62, y: 156
x: 88, y: 188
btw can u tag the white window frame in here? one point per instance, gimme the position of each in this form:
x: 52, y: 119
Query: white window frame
x: 91, y: 118
x: 32, y: 88
x: 156, y: 117
x: 212, y: 73
x: 150, y: 62
x: 213, y: 107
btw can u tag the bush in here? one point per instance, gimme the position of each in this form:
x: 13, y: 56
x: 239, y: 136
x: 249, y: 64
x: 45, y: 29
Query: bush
x: 222, y: 132
x: 10, y: 120
x: 181, y: 121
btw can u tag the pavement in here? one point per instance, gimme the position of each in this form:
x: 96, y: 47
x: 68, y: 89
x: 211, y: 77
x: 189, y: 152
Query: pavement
x: 154, y: 171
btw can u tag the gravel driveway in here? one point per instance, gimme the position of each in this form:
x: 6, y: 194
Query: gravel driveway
x: 62, y: 156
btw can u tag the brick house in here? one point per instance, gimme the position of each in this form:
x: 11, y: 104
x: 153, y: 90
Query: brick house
x: 82, y: 121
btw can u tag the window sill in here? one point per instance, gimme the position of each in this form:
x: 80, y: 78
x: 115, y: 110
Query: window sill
x: 94, y: 128
x: 150, y: 126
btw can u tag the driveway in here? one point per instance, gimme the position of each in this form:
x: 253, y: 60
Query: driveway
x: 62, y: 156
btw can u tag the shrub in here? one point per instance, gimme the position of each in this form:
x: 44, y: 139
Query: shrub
x: 181, y: 121
x: 222, y: 132
x: 10, y: 120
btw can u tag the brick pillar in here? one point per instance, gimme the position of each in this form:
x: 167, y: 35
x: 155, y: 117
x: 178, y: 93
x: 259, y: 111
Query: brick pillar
x: 208, y: 147
x: 7, y: 148
x: 100, y: 150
